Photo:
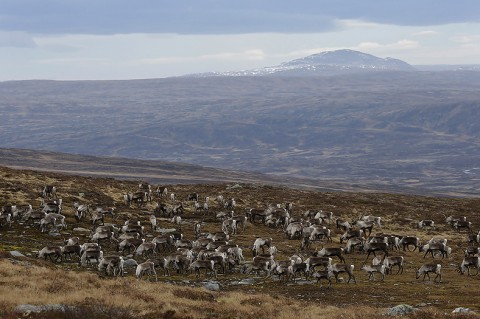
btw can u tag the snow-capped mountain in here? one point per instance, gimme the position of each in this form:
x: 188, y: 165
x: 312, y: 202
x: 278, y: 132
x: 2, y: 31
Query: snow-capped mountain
x: 325, y: 63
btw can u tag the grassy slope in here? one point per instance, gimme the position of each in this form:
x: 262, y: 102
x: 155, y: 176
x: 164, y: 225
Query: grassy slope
x: 399, y: 213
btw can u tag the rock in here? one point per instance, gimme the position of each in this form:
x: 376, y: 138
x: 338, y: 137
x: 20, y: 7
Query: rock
x: 461, y: 310
x: 54, y: 233
x: 15, y: 253
x: 247, y: 281
x: 400, y: 310
x: 234, y: 186
x: 211, y: 285
x: 166, y: 230
x: 27, y: 308
x: 81, y: 230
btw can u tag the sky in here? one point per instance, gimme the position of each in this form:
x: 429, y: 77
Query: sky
x: 133, y: 39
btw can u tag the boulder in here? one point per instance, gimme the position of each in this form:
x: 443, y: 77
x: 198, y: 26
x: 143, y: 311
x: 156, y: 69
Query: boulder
x: 400, y: 310
x: 16, y: 253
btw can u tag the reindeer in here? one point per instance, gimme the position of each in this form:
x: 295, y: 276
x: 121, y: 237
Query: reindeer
x: 426, y: 223
x: 162, y: 263
x: 320, y: 215
x: 408, y: 241
x: 295, y: 268
x: 343, y: 224
x: 166, y: 241
x: 51, y: 219
x: 89, y: 253
x: 351, y: 233
x: 50, y: 252
x: 313, y: 261
x: 324, y: 274
x: 372, y: 269
x: 374, y: 219
x: 117, y: 265
x: 68, y: 250
x: 49, y: 191
x: 462, y: 224
x: 261, y: 243
x: 436, y: 247
x: 260, y: 264
x: 146, y: 249
x: 208, y: 265
x: 370, y: 248
x: 192, y: 197
x: 148, y: 268
x: 469, y: 262
x: 161, y: 192
x: 229, y: 223
x: 81, y: 210
x: 52, y: 207
x: 340, y: 268
x: 450, y: 220
x: 294, y: 230
x: 472, y: 251
x: 354, y: 242
x: 330, y: 252
x: 389, y: 262
x: 426, y: 269
x: 364, y: 226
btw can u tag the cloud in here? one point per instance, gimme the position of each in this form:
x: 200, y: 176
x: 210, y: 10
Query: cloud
x: 16, y: 39
x: 398, y: 45
x: 223, y: 16
x: 466, y: 39
x: 426, y: 33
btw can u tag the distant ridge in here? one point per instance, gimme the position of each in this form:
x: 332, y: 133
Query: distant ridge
x: 325, y: 63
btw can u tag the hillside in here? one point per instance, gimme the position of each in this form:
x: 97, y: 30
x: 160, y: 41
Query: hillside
x: 406, y: 130
x: 399, y: 214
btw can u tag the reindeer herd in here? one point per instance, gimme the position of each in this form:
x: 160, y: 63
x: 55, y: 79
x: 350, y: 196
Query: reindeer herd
x: 144, y: 243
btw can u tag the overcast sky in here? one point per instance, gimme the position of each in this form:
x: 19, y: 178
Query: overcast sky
x: 129, y: 39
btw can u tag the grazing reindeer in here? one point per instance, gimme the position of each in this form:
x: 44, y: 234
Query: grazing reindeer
x: 370, y: 248
x: 462, y: 224
x: 426, y: 269
x: 389, y: 262
x: 68, y: 250
x: 295, y: 268
x: 351, y: 233
x: 314, y: 261
x: 343, y: 224
x: 436, y: 247
x: 469, y: 262
x: 162, y: 263
x: 472, y: 251
x: 364, y: 226
x: 49, y: 191
x: 330, y: 252
x: 258, y: 264
x: 426, y: 223
x: 261, y: 243
x: 408, y: 241
x: 371, y: 270
x: 50, y: 252
x: 324, y: 274
x: 354, y: 242
x: 208, y: 265
x: 148, y: 268
x: 346, y: 268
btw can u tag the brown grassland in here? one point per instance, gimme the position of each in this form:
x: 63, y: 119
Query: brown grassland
x: 88, y: 294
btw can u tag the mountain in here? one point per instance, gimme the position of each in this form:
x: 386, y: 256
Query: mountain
x: 326, y: 63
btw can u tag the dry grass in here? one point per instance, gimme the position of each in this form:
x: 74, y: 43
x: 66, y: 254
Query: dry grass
x: 37, y: 282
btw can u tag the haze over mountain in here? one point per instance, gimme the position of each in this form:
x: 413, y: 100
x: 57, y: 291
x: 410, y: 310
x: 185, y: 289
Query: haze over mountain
x: 379, y: 130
